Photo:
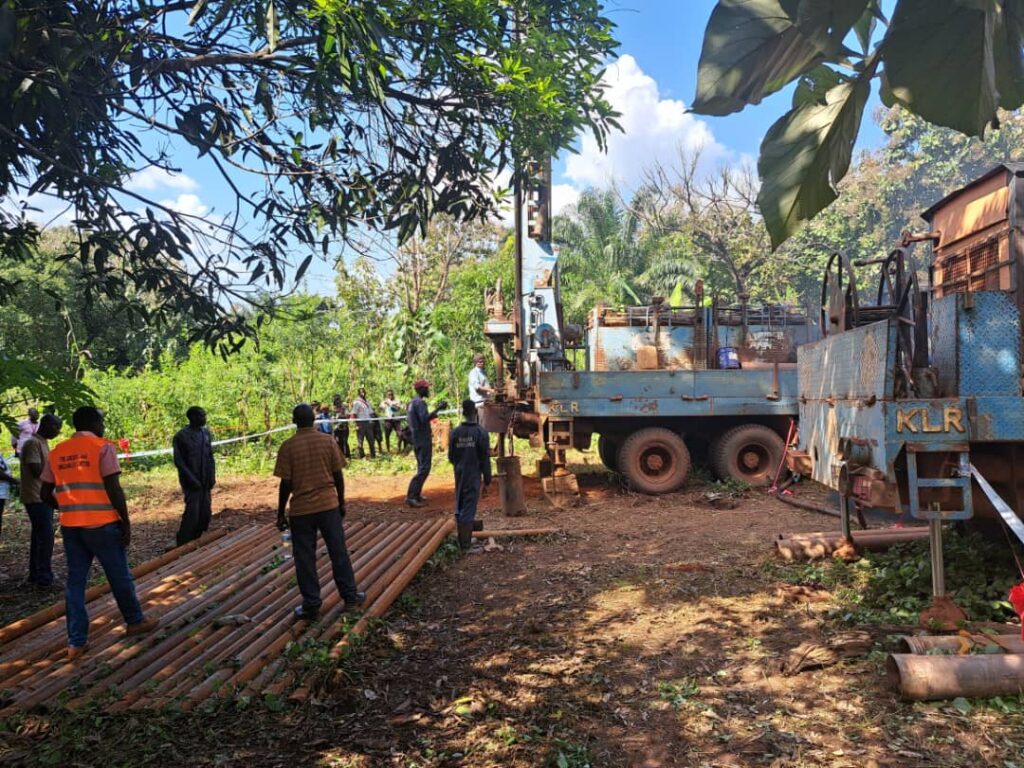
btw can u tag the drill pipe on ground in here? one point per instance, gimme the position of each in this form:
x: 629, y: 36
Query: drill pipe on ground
x: 240, y: 579
x: 105, y: 647
x: 383, y: 558
x: 515, y: 532
x: 55, y: 611
x: 923, y: 643
x: 182, y: 652
x: 52, y: 638
x: 811, y: 548
x: 929, y: 678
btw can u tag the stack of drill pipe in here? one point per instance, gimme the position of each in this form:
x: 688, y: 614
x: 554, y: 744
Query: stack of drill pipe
x: 225, y: 623
x: 812, y: 546
x: 379, y: 571
x: 920, y: 675
x: 46, y: 615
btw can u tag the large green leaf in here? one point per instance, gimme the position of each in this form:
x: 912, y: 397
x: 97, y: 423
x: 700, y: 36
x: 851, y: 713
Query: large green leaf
x: 804, y: 156
x: 1009, y: 39
x: 940, y: 62
x: 826, y: 22
x: 752, y: 48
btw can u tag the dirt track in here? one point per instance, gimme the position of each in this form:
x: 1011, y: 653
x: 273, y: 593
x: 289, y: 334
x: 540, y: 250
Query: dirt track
x: 646, y: 635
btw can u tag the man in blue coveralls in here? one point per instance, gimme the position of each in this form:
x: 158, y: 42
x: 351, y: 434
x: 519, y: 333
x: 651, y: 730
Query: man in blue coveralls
x: 422, y: 440
x: 469, y: 452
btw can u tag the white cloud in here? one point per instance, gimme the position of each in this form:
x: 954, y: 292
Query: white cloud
x: 654, y: 129
x: 152, y: 178
x: 562, y: 196
x: 187, y: 203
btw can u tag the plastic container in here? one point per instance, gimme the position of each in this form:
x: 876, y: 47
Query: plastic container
x: 728, y: 358
x: 286, y: 545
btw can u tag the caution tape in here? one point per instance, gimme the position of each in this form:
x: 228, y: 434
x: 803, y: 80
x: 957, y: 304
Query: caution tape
x: 242, y: 438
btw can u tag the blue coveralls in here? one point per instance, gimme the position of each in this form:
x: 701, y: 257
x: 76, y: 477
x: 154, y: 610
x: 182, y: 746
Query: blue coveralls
x: 469, y: 451
x: 422, y: 446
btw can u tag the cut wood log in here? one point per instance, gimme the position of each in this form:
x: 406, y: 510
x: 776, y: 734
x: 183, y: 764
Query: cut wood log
x: 811, y: 655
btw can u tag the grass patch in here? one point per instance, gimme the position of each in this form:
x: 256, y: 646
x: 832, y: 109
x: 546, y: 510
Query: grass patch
x: 893, y: 587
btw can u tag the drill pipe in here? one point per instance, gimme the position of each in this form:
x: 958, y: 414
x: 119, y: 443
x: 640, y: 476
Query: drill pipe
x: 234, y: 594
x: 260, y: 656
x: 382, y: 603
x: 331, y: 622
x: 516, y: 532
x: 53, y: 639
x: 928, y: 678
x: 46, y: 615
x: 813, y: 548
x: 924, y: 643
x: 272, y: 604
x: 109, y: 645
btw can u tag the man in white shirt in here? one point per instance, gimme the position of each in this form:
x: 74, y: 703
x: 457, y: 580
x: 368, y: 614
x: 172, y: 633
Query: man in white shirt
x: 362, y: 412
x: 479, y: 387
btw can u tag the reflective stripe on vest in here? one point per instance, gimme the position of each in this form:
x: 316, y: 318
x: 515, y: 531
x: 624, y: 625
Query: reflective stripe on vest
x: 78, y: 485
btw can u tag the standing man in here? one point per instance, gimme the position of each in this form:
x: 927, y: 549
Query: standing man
x: 479, y: 387
x: 390, y: 407
x: 82, y: 479
x: 341, y: 428
x: 470, y: 454
x: 193, y: 456
x: 323, y: 419
x: 422, y: 440
x: 362, y: 412
x: 35, y: 455
x: 26, y: 428
x: 6, y: 481
x: 309, y: 465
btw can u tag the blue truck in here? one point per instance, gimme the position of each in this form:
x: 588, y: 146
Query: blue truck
x: 913, y: 402
x: 658, y: 386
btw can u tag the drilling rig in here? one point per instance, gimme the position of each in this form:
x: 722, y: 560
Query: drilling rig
x: 658, y: 384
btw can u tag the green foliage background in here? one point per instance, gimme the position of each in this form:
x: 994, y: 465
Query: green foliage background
x: 421, y: 311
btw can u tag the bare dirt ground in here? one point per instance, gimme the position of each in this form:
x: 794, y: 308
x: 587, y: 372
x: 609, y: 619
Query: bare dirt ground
x: 648, y: 634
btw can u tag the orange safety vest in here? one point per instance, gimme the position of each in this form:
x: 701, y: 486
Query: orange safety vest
x: 78, y: 484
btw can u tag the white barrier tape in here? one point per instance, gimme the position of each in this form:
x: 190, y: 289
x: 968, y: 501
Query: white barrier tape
x: 1009, y: 516
x: 243, y: 438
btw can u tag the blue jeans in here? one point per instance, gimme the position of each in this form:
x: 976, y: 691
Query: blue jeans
x: 40, y: 550
x: 424, y: 457
x: 81, y: 545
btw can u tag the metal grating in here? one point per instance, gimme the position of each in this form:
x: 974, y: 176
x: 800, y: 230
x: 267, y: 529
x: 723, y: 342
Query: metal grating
x: 975, y: 269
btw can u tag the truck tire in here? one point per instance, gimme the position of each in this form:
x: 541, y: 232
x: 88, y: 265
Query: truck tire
x: 750, y: 453
x: 608, y: 450
x: 655, y: 460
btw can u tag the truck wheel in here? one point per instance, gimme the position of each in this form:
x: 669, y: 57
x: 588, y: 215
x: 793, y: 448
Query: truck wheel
x: 608, y: 450
x: 655, y: 460
x: 750, y: 453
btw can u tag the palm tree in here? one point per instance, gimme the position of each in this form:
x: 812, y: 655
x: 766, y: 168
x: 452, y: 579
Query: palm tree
x: 602, y: 252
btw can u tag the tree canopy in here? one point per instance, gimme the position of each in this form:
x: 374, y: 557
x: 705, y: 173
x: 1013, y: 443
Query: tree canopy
x: 321, y: 117
x: 954, y: 63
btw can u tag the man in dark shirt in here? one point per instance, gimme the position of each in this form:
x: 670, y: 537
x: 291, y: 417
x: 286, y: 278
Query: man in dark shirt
x: 422, y: 440
x: 309, y: 465
x: 341, y: 428
x: 35, y: 454
x: 193, y: 456
x: 470, y: 453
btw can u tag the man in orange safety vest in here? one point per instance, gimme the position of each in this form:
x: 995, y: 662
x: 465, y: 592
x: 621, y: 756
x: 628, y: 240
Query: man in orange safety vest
x: 81, y: 479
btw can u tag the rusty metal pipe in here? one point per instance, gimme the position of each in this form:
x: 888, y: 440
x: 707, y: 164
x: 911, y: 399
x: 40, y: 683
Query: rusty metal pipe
x: 929, y: 678
x: 46, y: 615
x: 815, y: 548
x: 266, y: 628
x: 367, y: 576
x: 271, y: 618
x: 104, y: 650
x: 53, y: 640
x: 924, y: 643
x: 383, y: 602
x: 516, y: 532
